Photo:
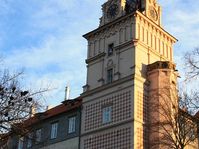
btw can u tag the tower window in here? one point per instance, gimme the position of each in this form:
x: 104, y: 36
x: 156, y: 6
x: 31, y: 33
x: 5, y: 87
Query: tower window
x: 109, y: 75
x: 106, y: 116
x: 110, y: 49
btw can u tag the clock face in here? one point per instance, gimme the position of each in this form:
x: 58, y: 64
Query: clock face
x: 112, y: 11
x: 131, y: 6
x: 153, y: 13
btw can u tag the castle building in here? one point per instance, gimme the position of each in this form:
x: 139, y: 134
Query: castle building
x: 131, y: 75
x: 129, y: 38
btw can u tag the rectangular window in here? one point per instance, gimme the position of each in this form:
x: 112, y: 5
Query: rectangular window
x: 109, y: 75
x: 29, y: 140
x: 20, y: 143
x: 110, y: 49
x: 72, y: 124
x: 54, y: 127
x: 106, y: 115
x: 38, y: 136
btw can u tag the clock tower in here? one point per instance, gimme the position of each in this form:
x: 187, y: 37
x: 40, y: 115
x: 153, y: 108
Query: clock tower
x: 114, y: 9
x: 115, y: 98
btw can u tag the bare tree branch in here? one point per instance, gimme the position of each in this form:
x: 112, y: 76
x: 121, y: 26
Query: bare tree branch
x: 192, y: 64
x: 171, y: 126
x: 16, y: 104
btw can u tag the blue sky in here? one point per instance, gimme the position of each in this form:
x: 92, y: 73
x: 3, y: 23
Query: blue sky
x: 44, y: 37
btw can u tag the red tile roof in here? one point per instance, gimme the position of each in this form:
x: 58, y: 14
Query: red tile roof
x: 197, y: 115
x: 66, y: 106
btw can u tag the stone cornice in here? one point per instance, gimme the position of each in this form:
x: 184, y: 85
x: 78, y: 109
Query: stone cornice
x: 123, y: 45
x: 101, y: 28
x: 136, y: 14
x: 96, y: 57
x: 161, y: 65
x: 156, y: 26
x: 106, y: 86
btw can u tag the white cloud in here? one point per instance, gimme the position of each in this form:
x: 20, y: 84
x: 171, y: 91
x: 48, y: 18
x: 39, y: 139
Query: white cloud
x: 181, y: 19
x: 54, y: 50
x: 57, y: 82
x: 55, y: 62
x: 59, y: 56
x: 59, y: 25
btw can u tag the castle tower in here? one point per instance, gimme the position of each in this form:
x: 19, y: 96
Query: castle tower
x: 115, y: 97
x: 163, y: 102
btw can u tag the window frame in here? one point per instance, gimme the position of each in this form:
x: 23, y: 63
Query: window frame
x: 30, y: 140
x: 54, y: 130
x: 20, y: 143
x: 110, y: 75
x: 110, y: 49
x: 72, y: 124
x: 107, y: 114
x: 38, y: 135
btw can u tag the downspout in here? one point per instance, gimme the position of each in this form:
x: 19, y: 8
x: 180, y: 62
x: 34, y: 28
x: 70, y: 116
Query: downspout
x: 80, y: 109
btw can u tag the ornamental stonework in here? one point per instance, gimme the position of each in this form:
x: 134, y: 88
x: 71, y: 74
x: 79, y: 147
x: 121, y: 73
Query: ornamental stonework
x: 117, y: 139
x: 120, y: 112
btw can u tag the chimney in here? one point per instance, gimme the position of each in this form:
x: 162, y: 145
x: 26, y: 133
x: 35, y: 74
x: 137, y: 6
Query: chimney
x: 67, y: 93
x: 32, y: 110
x: 48, y: 107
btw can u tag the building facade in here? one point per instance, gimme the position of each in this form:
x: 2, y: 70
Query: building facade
x: 130, y: 59
x: 57, y: 128
x: 115, y: 98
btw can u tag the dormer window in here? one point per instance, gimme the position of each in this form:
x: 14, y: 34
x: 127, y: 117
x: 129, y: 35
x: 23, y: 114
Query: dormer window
x: 110, y: 49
